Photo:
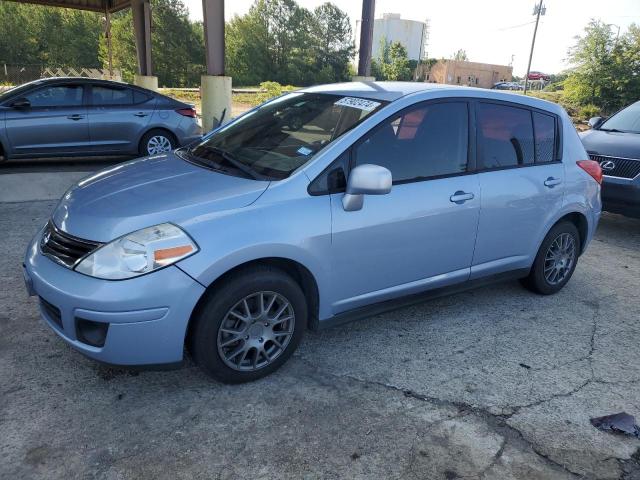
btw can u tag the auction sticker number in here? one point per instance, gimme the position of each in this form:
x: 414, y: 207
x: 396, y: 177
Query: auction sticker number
x: 359, y: 103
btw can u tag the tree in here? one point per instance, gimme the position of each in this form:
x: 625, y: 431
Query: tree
x: 392, y: 62
x: 332, y: 47
x: 461, y: 55
x: 177, y: 45
x: 605, y: 70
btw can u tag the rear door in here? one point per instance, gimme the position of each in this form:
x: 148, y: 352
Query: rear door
x: 118, y: 116
x: 522, y: 183
x: 54, y: 124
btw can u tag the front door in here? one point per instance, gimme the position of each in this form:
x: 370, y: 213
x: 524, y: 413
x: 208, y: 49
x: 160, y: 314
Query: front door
x: 54, y: 124
x: 522, y: 185
x: 421, y: 235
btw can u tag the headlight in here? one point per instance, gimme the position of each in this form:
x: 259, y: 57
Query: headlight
x: 138, y: 253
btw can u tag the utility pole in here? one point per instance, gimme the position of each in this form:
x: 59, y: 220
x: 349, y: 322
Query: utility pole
x: 107, y: 34
x: 537, y: 11
x: 366, y: 38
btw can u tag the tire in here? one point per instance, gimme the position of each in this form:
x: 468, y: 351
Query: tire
x: 219, y: 332
x: 558, y: 254
x: 163, y: 141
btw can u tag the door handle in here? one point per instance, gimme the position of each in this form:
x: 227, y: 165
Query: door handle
x: 460, y: 197
x: 75, y: 117
x: 552, y: 182
x: 140, y: 114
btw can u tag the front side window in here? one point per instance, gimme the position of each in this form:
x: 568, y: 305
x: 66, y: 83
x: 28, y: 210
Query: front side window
x: 111, y: 96
x: 426, y: 141
x: 505, y: 136
x: 275, y: 139
x: 59, y: 96
x: 627, y: 120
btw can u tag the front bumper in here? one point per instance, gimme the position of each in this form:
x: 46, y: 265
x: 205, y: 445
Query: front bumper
x: 147, y: 316
x: 621, y: 195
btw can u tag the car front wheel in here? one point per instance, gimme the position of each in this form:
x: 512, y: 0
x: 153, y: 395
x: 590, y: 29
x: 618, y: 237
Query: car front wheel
x: 250, y: 326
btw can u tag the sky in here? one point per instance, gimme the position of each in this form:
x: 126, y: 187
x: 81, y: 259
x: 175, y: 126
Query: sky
x: 490, y: 31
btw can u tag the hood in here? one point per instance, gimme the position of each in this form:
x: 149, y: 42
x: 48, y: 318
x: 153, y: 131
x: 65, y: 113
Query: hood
x: 146, y: 192
x: 613, y: 144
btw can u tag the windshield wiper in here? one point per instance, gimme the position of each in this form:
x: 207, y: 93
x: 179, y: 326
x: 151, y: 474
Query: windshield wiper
x: 615, y: 130
x: 230, y: 159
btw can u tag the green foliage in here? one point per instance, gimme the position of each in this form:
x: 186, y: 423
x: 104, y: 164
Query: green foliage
x: 55, y: 37
x: 392, y: 62
x: 588, y: 111
x: 276, y: 40
x: 460, y: 55
x: 280, y: 41
x: 606, y: 70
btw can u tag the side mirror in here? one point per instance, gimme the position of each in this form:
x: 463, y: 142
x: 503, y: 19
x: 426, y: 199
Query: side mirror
x: 595, y: 122
x: 20, y: 103
x: 365, y: 180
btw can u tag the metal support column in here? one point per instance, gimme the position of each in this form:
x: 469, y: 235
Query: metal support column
x: 141, y: 10
x: 213, y: 16
x: 215, y: 86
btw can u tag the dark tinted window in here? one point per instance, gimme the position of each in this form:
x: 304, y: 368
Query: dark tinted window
x: 427, y: 141
x: 505, y: 135
x: 139, y: 97
x: 545, y: 129
x: 60, y: 96
x: 333, y: 179
x: 111, y: 96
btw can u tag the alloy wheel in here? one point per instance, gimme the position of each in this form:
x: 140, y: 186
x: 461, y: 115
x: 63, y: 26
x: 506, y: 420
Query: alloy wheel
x: 559, y: 259
x: 158, y: 144
x: 256, y: 331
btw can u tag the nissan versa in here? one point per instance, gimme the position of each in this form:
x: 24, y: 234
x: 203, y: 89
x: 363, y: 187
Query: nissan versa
x: 322, y: 205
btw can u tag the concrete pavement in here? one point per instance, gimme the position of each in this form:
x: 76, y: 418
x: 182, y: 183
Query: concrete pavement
x: 497, y: 383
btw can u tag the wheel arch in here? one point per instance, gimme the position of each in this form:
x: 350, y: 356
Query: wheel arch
x: 581, y: 223
x: 300, y: 274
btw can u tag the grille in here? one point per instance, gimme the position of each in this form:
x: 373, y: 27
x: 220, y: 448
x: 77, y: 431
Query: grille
x: 64, y: 248
x: 624, y: 167
x: 51, y: 311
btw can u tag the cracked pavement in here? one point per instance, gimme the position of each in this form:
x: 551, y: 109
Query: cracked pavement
x: 496, y: 383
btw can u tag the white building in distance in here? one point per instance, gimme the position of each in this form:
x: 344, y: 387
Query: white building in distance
x: 413, y: 35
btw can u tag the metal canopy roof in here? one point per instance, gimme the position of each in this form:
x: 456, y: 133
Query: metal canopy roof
x: 92, y: 5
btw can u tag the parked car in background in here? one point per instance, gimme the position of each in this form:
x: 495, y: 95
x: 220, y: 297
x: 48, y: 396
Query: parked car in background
x: 615, y: 144
x: 539, y: 76
x: 507, y: 86
x: 320, y: 206
x: 84, y: 117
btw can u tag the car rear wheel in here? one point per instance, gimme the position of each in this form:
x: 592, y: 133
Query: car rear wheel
x: 556, y: 260
x: 156, y: 142
x: 250, y: 326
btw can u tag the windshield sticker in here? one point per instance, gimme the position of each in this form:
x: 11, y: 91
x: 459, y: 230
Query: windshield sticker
x: 305, y: 151
x: 359, y: 103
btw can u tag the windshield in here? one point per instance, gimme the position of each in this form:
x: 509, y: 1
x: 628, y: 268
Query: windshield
x: 627, y: 120
x: 282, y: 135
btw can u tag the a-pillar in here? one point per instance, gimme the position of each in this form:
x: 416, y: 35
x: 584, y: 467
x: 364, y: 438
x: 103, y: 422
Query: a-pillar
x: 215, y: 86
x: 141, y: 12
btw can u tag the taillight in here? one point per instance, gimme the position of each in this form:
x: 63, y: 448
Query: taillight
x: 592, y: 168
x: 187, y: 112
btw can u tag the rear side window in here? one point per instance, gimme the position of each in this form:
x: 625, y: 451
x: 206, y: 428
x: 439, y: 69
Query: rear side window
x: 545, y: 130
x: 139, y: 97
x: 426, y: 141
x: 101, y: 95
x: 505, y: 136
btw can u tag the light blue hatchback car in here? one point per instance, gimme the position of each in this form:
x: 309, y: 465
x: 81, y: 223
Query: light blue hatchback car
x: 320, y: 206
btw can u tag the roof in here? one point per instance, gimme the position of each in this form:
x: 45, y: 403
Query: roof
x: 387, y: 91
x: 390, y: 91
x: 92, y: 5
